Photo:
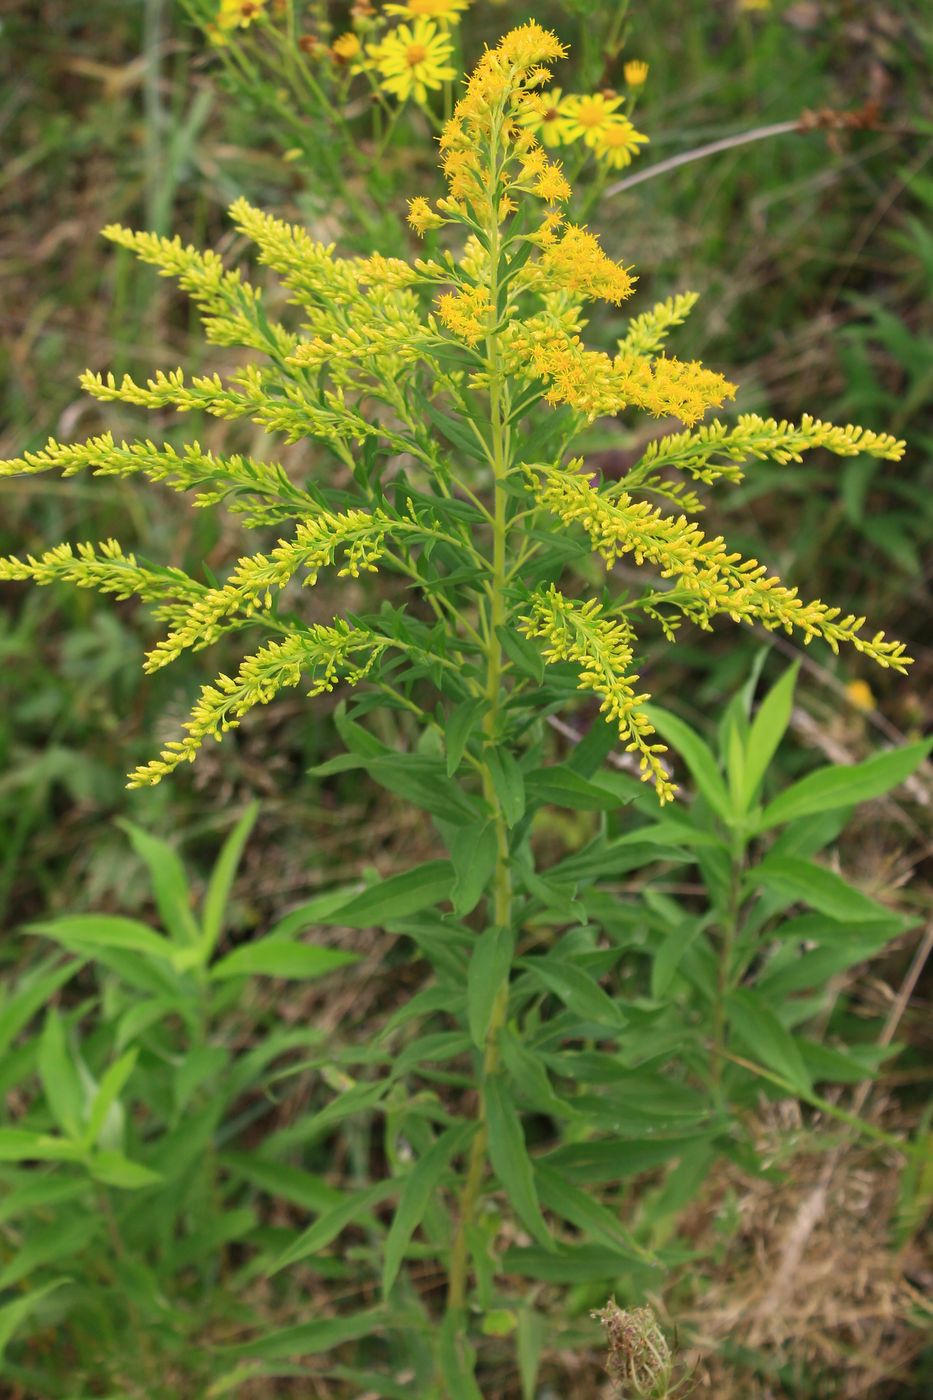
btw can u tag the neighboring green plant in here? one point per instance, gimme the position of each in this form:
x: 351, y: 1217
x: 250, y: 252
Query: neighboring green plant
x: 567, y: 1038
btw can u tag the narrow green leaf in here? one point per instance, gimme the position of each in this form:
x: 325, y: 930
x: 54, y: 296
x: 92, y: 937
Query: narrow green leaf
x: 113, y: 1169
x: 13, y: 1315
x: 314, y: 913
x: 509, y: 784
x: 560, y: 786
x: 530, y: 1336
x: 50, y: 1244
x: 309, y: 1338
x: 667, y: 958
x: 416, y: 1195
x: 530, y: 1077
x: 473, y: 852
x: 766, y: 1040
x: 510, y: 1159
x: 43, y: 1190
x: 108, y: 1091
x: 278, y: 957
x: 845, y: 786
x: 698, y: 757
x: 351, y: 1211
x: 582, y: 1210
x: 169, y: 882
x: 524, y: 655
x: 86, y: 931
x: 61, y: 1081
x: 220, y: 883
x: 617, y: 1160
x: 488, y: 969
x: 577, y: 989
x: 456, y: 1358
x: 768, y: 729
x: 288, y: 1183
x: 813, y: 884
x: 31, y: 993
x: 581, y: 1263
x: 423, y: 781
x: 461, y: 722
x: 397, y: 897
x: 20, y: 1145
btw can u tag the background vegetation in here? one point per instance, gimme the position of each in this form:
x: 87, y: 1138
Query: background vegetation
x: 814, y: 259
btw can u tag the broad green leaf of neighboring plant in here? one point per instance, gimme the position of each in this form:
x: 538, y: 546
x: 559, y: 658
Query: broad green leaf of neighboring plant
x: 844, y: 786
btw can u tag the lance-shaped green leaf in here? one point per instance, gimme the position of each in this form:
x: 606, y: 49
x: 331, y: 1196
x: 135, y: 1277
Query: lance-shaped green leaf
x: 279, y: 957
x: 766, y: 1040
x: 767, y: 731
x: 488, y: 969
x: 416, y: 1195
x: 352, y: 1210
x: 845, y: 786
x: 220, y: 883
x: 510, y: 1159
x: 169, y: 882
x: 813, y: 884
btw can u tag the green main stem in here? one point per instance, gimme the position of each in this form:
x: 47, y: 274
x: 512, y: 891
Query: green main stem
x: 502, y: 880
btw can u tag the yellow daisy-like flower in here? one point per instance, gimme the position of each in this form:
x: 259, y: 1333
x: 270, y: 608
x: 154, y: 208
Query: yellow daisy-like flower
x: 543, y: 117
x: 615, y: 145
x: 238, y: 14
x: 636, y: 72
x: 446, y: 12
x: 347, y: 52
x: 585, y: 118
x: 414, y: 60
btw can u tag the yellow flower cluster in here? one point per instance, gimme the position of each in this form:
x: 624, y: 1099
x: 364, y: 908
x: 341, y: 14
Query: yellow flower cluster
x: 713, y: 578
x: 327, y: 653
x: 576, y: 263
x: 466, y: 313
x: 601, y: 648
x: 596, y: 384
x: 258, y: 577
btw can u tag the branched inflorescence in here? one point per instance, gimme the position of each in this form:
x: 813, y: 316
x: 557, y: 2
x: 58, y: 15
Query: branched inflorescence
x: 419, y: 379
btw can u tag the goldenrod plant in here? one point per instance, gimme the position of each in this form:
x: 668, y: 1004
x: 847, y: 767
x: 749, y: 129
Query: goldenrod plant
x: 565, y: 1038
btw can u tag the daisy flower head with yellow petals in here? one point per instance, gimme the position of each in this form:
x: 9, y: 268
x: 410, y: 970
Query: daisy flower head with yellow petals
x: 413, y: 59
x: 238, y: 14
x: 543, y: 117
x: 445, y: 12
x: 616, y: 145
x: 347, y: 52
x: 586, y: 117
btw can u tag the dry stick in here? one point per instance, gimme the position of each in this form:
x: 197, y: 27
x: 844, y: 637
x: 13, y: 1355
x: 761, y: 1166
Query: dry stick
x: 814, y: 1205
x: 726, y: 143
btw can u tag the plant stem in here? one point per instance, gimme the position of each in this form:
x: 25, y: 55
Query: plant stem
x: 502, y: 879
x: 729, y: 927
